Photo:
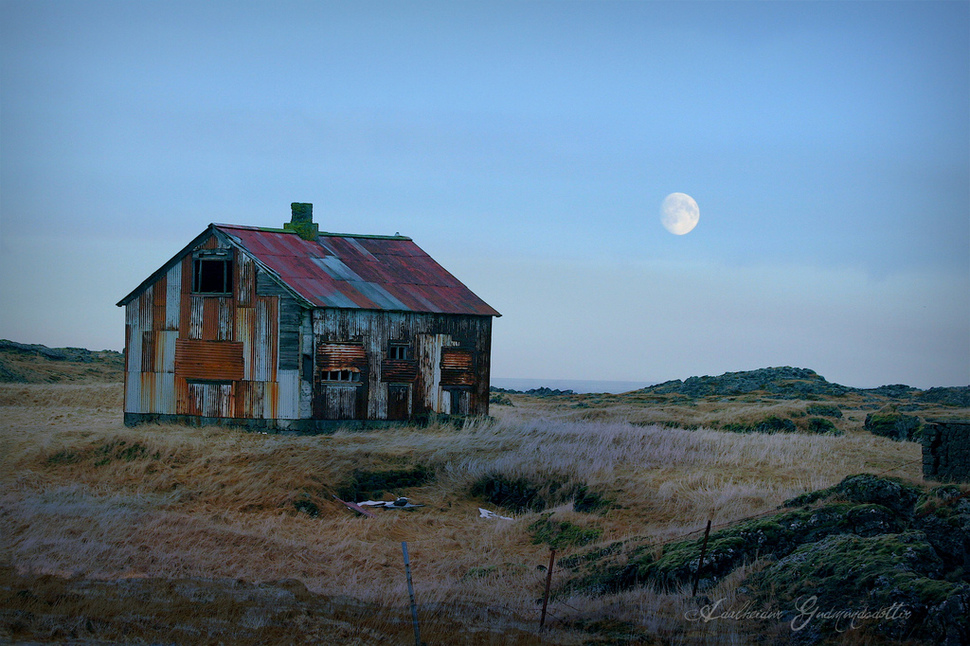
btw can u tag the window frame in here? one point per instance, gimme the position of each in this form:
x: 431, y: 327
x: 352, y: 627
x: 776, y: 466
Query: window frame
x: 346, y: 377
x: 201, y: 277
x: 398, y: 352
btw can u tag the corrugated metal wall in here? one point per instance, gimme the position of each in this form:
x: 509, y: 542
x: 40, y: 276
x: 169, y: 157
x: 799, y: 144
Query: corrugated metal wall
x: 208, y: 355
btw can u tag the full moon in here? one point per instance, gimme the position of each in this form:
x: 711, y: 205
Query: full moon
x: 679, y: 213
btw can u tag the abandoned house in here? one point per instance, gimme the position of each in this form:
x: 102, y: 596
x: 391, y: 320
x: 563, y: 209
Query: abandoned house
x: 293, y: 329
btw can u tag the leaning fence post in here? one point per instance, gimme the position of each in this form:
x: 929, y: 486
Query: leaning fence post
x: 414, y: 608
x: 700, y: 563
x: 545, y: 597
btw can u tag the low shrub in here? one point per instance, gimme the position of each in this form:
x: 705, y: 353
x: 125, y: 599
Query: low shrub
x: 771, y: 424
x: 822, y: 426
x: 824, y: 410
x: 307, y: 507
x: 373, y: 484
x: 558, y: 534
x: 521, y: 493
x: 587, y: 501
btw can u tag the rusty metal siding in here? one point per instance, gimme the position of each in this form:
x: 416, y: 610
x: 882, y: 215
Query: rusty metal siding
x: 133, y: 352
x: 233, y: 340
x: 244, y: 282
x: 209, y: 360
x: 157, y: 392
x: 257, y: 330
x: 207, y: 399
x: 146, y: 308
x: 158, y: 303
x: 148, y: 352
x: 288, y: 395
x: 133, y: 392
x: 255, y: 400
x: 173, y: 297
x: 457, y: 367
x: 399, y: 370
x: 341, y: 356
x: 165, y: 351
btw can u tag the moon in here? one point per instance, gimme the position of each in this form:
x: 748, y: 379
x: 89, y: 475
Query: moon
x: 679, y: 213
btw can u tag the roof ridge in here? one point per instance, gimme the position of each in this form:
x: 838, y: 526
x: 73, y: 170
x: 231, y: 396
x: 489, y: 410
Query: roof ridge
x: 327, y: 234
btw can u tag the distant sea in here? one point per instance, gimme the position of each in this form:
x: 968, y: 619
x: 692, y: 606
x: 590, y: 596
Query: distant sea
x: 576, y: 385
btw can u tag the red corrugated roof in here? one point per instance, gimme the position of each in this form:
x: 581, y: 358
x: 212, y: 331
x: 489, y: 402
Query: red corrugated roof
x: 362, y: 272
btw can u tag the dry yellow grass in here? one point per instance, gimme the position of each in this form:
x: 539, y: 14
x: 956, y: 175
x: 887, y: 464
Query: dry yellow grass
x: 83, y: 496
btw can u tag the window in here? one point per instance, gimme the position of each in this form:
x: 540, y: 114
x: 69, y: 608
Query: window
x: 397, y: 352
x: 341, y: 375
x: 212, y: 275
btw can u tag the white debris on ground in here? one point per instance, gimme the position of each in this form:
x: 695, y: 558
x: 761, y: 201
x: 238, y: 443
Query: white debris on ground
x: 400, y: 503
x: 484, y: 513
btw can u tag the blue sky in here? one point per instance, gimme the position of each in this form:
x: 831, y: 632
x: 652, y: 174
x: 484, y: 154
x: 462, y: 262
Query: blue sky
x: 527, y: 146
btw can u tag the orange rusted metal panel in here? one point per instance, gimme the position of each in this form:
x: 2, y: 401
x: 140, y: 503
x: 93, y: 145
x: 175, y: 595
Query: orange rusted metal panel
x: 399, y: 370
x: 244, y: 282
x: 341, y: 356
x: 457, y: 367
x: 209, y: 360
x: 148, y: 352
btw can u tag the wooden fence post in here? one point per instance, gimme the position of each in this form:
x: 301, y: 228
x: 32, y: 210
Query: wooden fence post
x: 545, y: 598
x: 414, y: 608
x: 700, y: 563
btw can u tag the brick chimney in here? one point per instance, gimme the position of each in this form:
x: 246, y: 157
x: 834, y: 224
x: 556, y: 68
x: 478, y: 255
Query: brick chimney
x: 301, y: 221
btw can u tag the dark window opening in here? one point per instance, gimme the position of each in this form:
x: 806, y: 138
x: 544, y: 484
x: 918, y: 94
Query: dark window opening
x: 397, y: 352
x: 212, y: 276
x: 307, y: 367
x: 341, y: 375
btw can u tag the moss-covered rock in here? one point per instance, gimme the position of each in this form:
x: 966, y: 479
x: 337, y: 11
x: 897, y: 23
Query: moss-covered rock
x: 893, y: 493
x: 891, y: 423
x: 870, y: 546
x: 730, y: 548
x: 891, y: 584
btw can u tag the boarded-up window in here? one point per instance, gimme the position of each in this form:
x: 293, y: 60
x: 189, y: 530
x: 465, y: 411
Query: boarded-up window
x: 457, y: 367
x: 209, y: 360
x: 341, y: 356
x: 398, y: 370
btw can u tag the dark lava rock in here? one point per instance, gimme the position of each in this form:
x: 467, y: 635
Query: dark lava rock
x: 783, y: 381
x: 891, y: 493
x: 951, y: 396
x: 894, y: 425
x: 891, y: 584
